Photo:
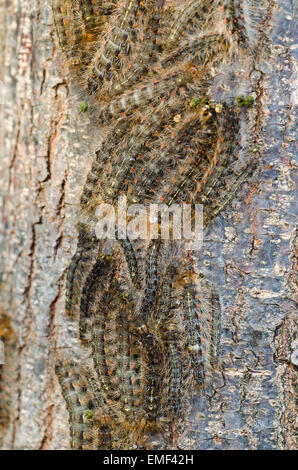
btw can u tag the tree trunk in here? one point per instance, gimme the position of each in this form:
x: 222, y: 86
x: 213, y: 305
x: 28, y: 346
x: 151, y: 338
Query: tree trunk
x: 249, y: 253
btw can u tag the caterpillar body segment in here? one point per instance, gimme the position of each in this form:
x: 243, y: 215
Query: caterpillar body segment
x: 132, y: 263
x: 146, y: 56
x: 129, y: 368
x: 194, y: 326
x: 88, y: 428
x: 148, y: 93
x: 7, y: 342
x: 215, y: 328
x: 79, y: 268
x: 171, y: 127
x: 154, y: 359
x: 71, y: 382
x: 103, y: 336
x: 119, y: 41
x: 151, y: 281
x: 97, y: 281
x: 79, y: 25
x: 234, y: 18
x: 192, y: 11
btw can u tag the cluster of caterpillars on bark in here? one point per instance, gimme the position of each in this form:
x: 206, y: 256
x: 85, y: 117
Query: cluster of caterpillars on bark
x: 7, y: 339
x: 150, y: 322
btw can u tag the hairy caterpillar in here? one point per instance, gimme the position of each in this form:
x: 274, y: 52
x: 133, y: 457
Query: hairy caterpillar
x: 101, y: 336
x: 79, y: 268
x: 194, y: 326
x: 115, y: 42
x: 134, y: 28
x: 215, y: 328
x: 79, y: 389
x: 98, y: 280
x: 132, y: 262
x: 189, y: 13
x: 7, y: 339
x: 154, y: 357
x: 73, y: 384
x: 78, y: 25
x: 129, y: 367
x: 147, y: 93
x: 147, y: 55
x: 151, y: 282
x: 171, y: 339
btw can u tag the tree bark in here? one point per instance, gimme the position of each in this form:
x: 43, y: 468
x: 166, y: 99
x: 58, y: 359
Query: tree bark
x: 249, y: 253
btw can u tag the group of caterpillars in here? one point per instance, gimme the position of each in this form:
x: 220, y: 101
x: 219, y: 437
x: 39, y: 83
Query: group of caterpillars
x: 150, y: 322
x: 7, y: 341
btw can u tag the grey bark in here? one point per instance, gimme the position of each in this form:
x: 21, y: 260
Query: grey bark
x: 249, y: 252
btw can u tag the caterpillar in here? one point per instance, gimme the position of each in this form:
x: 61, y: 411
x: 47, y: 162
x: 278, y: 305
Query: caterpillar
x: 129, y: 383
x: 194, y: 326
x: 98, y: 164
x: 234, y: 187
x: 148, y: 54
x: 72, y: 383
x: 102, y: 335
x: 151, y: 281
x: 80, y: 266
x: 147, y: 93
x: 115, y: 352
x: 97, y: 281
x: 200, y: 50
x: 112, y: 46
x: 223, y: 152
x: 234, y: 19
x: 171, y: 339
x: 82, y: 399
x: 182, y: 18
x: 132, y: 262
x: 174, y: 365
x: 164, y: 311
x: 91, y: 188
x: 154, y: 358
x: 215, y: 328
x: 72, y: 393
x: 78, y: 25
x: 67, y: 26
